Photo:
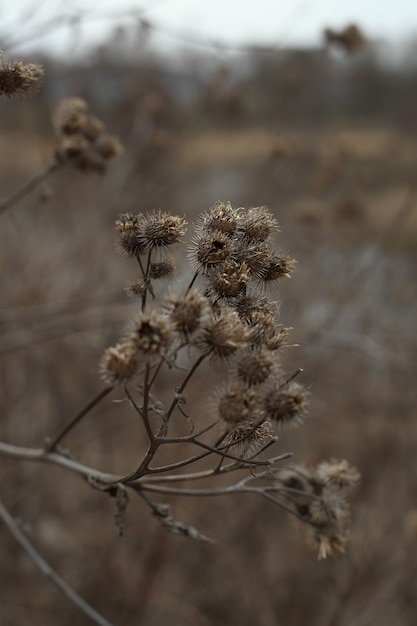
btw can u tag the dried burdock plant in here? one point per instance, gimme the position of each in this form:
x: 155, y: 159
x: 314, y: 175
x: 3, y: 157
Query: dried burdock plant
x: 18, y: 78
x: 226, y: 320
x: 82, y: 142
x: 350, y: 39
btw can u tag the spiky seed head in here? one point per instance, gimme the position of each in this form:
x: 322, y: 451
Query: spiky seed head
x: 118, y: 364
x: 70, y: 116
x: 257, y: 256
x: 286, y: 406
x: 128, y: 227
x: 246, y: 438
x: 162, y: 269
x: 187, y: 313
x: 280, y: 266
x: 337, y: 473
x: 127, y: 221
x: 222, y: 334
x: 221, y: 217
x: 258, y: 224
x: 209, y: 249
x: 236, y: 404
x: 135, y: 289
x: 228, y: 279
x: 152, y: 334
x: 160, y: 229
x: 255, y: 366
x: 20, y: 79
x: 250, y: 305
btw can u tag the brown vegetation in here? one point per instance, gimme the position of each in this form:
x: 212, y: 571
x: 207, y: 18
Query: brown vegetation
x: 345, y: 201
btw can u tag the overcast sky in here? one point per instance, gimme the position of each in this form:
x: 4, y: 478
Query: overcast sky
x: 232, y: 22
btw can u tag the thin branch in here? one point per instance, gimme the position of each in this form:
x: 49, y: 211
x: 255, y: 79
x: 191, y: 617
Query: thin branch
x: 144, y: 414
x: 185, y: 382
x: 51, y: 443
x: 194, y: 278
x: 41, y: 455
x: 47, y: 570
x: 29, y: 186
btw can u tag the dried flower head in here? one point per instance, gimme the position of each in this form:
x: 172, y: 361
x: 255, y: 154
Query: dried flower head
x: 128, y: 227
x: 82, y: 141
x: 286, y: 406
x: 236, y: 404
x: 18, y: 78
x: 70, y: 116
x: 350, y: 39
x: 254, y: 366
x: 228, y: 279
x: 136, y: 289
x: 320, y: 502
x: 258, y: 224
x: 163, y: 268
x: 247, y: 437
x: 250, y: 307
x: 221, y: 217
x: 279, y: 266
x: 127, y: 221
x: 118, y: 364
x: 222, y: 334
x: 337, y: 473
x: 257, y: 256
x: 152, y: 334
x: 187, y: 313
x: 209, y: 249
x: 159, y: 229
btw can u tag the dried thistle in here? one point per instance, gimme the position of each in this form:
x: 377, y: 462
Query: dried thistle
x: 163, y: 268
x: 258, y: 224
x: 222, y: 334
x: 226, y: 320
x: 19, y: 79
x: 82, y: 141
x: 286, y: 406
x: 187, y: 313
x: 209, y: 249
x: 118, y: 364
x: 254, y: 366
x: 228, y: 279
x: 237, y: 404
x: 221, y: 218
x: 152, y: 334
x: 351, y: 39
x: 159, y: 229
x: 247, y: 437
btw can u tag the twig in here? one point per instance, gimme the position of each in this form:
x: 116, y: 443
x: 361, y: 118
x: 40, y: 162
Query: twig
x: 185, y: 383
x: 51, y: 444
x: 28, y: 187
x: 47, y: 570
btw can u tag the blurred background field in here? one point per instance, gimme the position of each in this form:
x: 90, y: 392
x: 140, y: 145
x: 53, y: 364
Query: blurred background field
x: 326, y: 137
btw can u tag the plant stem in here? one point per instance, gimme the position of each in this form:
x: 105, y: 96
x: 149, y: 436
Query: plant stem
x: 51, y: 444
x: 185, y: 383
x: 29, y: 186
x: 47, y: 570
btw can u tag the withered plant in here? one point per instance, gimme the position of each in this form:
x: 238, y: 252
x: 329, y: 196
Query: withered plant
x: 220, y: 315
